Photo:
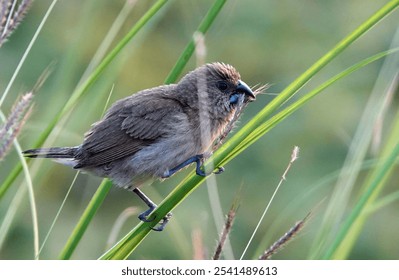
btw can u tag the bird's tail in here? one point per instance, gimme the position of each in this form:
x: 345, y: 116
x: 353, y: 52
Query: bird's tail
x: 56, y: 152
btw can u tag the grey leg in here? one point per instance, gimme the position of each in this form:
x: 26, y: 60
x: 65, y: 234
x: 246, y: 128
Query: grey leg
x: 143, y: 216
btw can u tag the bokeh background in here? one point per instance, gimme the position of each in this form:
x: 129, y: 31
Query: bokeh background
x: 268, y: 42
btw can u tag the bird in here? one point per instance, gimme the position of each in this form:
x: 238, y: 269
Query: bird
x: 156, y: 132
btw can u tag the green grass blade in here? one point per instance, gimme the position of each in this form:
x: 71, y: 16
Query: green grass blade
x: 85, y: 219
x: 339, y: 202
x: 291, y: 89
x: 5, y: 225
x: 10, y: 179
x: 269, y: 124
x: 17, y: 170
x: 380, y: 175
x: 82, y: 89
x: 189, y: 50
x: 383, y: 202
x: 127, y: 245
x: 27, y: 51
x: 348, y: 243
x: 248, y: 134
x: 109, y: 38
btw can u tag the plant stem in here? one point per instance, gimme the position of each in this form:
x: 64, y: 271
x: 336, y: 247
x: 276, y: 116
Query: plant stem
x: 189, y: 50
x: 85, y: 219
x: 82, y: 89
x: 127, y: 245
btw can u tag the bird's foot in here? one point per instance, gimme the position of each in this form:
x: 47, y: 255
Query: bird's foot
x: 163, y: 222
x: 202, y: 173
x: 144, y: 216
x: 199, y: 160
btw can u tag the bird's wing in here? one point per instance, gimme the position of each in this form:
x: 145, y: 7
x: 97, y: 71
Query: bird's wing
x: 129, y: 125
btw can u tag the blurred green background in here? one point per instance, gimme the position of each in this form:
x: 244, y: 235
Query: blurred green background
x: 268, y: 42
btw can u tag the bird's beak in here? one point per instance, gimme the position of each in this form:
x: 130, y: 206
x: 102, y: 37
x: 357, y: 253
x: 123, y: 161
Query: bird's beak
x: 244, y: 88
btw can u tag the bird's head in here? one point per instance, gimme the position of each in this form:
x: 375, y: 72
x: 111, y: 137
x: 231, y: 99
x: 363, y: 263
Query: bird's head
x: 219, y: 85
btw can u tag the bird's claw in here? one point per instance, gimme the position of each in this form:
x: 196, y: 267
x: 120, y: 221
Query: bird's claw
x: 143, y: 217
x: 220, y: 170
x: 202, y: 173
x: 163, y: 223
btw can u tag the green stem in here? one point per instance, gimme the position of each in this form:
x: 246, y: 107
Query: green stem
x: 291, y: 89
x: 382, y: 171
x: 127, y: 245
x: 85, y: 219
x: 189, y: 50
x: 270, y: 123
x: 130, y: 242
x: 82, y: 89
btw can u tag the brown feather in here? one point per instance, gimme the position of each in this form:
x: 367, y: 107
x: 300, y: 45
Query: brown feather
x: 129, y: 125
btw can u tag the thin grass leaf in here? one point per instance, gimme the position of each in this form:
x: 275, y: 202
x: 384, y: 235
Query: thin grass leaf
x: 90, y: 210
x: 16, y: 203
x: 119, y: 222
x: 380, y: 175
x: 357, y: 152
x: 211, y: 184
x: 80, y: 91
x: 125, y: 246
x: 292, y: 207
x: 7, y: 9
x: 382, y: 202
x: 342, y: 252
x: 57, y: 214
x: 294, y: 157
x: 234, y: 144
x: 17, y: 118
x: 19, y: 167
x: 109, y: 38
x: 273, y: 121
x: 85, y: 219
x: 189, y: 50
x: 27, y: 51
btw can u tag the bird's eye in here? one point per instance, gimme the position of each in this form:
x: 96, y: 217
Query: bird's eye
x: 222, y: 85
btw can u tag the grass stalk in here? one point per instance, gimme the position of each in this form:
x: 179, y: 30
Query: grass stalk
x: 269, y: 124
x: 353, y: 233
x: 27, y: 51
x: 16, y: 203
x: 82, y: 89
x: 58, y: 213
x: 234, y: 144
x: 85, y: 219
x: 357, y: 153
x: 109, y: 38
x: 380, y: 174
x: 257, y: 127
x: 189, y: 50
x: 294, y: 157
